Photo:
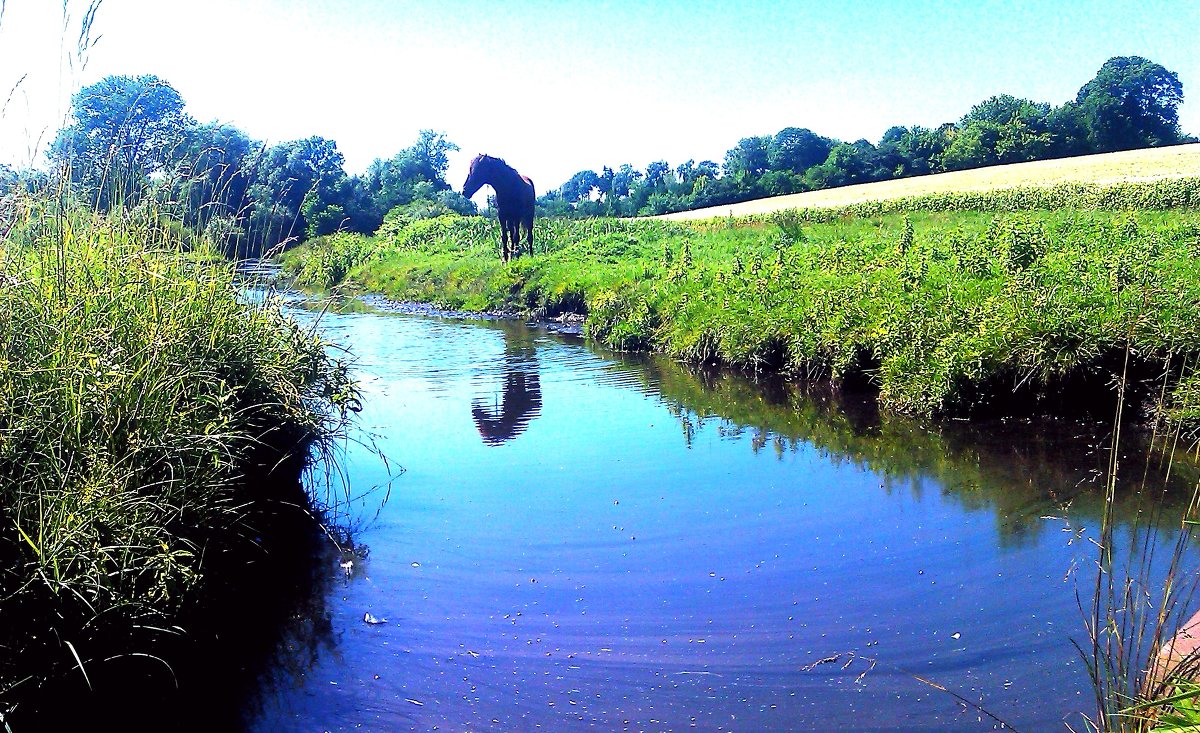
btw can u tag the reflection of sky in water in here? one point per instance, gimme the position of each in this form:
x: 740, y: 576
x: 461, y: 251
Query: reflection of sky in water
x: 620, y: 559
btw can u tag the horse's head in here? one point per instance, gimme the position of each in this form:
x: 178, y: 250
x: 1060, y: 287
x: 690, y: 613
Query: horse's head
x: 479, y: 173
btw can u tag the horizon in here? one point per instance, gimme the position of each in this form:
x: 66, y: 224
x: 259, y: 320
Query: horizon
x: 609, y: 84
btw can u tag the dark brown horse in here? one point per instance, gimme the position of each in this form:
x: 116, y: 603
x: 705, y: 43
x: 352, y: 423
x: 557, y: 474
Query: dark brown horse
x: 502, y: 418
x: 514, y: 201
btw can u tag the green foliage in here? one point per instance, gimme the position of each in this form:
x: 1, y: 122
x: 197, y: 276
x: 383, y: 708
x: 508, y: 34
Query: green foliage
x: 130, y: 140
x: 1131, y: 103
x: 328, y: 260
x: 941, y: 302
x: 123, y: 129
x: 138, y: 391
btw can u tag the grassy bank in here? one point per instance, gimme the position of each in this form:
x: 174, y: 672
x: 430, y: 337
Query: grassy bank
x: 144, y: 410
x: 944, y: 305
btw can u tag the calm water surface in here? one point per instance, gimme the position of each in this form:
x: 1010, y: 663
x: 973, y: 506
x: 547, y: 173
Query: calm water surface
x: 582, y: 541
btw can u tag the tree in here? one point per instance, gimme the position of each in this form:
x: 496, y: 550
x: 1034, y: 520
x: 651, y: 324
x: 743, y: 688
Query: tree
x: 1068, y: 133
x: 390, y: 183
x: 1131, y: 103
x: 749, y: 157
x: 796, y: 149
x: 1000, y: 129
x: 912, y: 151
x: 847, y: 163
x: 299, y: 188
x: 123, y: 130
x: 605, y: 182
x: 708, y: 168
x: 211, y: 172
x: 657, y: 172
x: 579, y: 186
x: 624, y: 179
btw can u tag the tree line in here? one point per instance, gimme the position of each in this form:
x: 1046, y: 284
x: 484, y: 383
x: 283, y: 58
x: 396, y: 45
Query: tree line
x: 130, y: 143
x: 1131, y: 103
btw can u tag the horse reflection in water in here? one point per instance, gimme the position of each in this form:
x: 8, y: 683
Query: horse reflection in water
x: 506, y: 415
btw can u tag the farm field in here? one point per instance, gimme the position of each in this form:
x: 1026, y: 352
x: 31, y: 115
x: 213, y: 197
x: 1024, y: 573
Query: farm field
x: 1150, y: 164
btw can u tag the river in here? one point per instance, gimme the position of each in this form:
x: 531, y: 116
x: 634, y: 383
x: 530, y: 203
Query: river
x: 561, y: 539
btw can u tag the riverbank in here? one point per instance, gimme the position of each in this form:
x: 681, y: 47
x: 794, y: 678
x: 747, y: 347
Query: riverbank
x: 154, y: 428
x: 961, y: 304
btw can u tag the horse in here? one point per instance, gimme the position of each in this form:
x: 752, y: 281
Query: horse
x: 514, y: 201
x: 520, y: 400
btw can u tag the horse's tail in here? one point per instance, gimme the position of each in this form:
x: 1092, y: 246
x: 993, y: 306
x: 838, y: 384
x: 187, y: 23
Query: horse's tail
x: 527, y: 215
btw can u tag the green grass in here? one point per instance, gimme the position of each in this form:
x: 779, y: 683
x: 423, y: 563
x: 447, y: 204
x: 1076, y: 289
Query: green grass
x: 952, y: 304
x: 943, y: 311
x: 137, y: 395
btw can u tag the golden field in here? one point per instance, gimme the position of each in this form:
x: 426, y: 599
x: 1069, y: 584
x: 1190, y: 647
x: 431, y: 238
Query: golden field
x: 1150, y: 164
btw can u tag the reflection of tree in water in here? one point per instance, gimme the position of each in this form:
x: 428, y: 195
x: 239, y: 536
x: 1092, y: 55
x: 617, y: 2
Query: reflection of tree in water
x: 506, y: 415
x: 1025, y: 471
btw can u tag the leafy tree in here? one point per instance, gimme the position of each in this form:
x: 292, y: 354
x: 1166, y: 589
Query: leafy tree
x: 657, y: 172
x: 211, y: 173
x: 848, y: 163
x: 1068, y: 131
x: 579, y: 186
x: 708, y: 169
x: 662, y: 202
x: 624, y: 179
x: 779, y: 182
x: 604, y: 184
x: 912, y: 151
x: 749, y: 158
x: 1131, y: 103
x: 390, y: 183
x: 123, y: 129
x: 298, y: 189
x: 796, y: 149
x: 1001, y: 129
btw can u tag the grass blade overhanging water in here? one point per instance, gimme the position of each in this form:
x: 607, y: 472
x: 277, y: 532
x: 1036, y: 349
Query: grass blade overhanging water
x: 139, y: 395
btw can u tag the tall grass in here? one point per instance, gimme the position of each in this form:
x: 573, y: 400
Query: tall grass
x: 941, y: 311
x: 138, y: 397
x: 1141, y: 602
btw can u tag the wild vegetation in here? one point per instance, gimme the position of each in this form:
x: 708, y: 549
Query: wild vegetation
x: 1076, y: 297
x: 130, y: 139
x: 150, y: 420
x: 942, y: 303
x: 141, y: 399
x: 1057, y: 182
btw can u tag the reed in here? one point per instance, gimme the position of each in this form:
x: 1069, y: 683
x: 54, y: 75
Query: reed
x: 139, y: 393
x: 1143, y: 665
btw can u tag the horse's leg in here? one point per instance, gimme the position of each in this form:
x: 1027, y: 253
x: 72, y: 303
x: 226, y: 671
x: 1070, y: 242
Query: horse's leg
x: 504, y: 241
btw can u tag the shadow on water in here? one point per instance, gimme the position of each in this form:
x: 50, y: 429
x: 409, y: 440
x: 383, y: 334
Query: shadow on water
x: 500, y: 418
x: 262, y: 623
x: 782, y: 524
x: 675, y: 548
x: 1022, y: 469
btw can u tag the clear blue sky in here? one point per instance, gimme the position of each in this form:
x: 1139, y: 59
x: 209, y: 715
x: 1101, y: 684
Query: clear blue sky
x: 556, y: 87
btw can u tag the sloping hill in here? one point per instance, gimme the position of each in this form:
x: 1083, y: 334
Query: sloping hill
x: 1180, y: 161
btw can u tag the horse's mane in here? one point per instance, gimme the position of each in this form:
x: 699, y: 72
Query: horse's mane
x: 492, y: 160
